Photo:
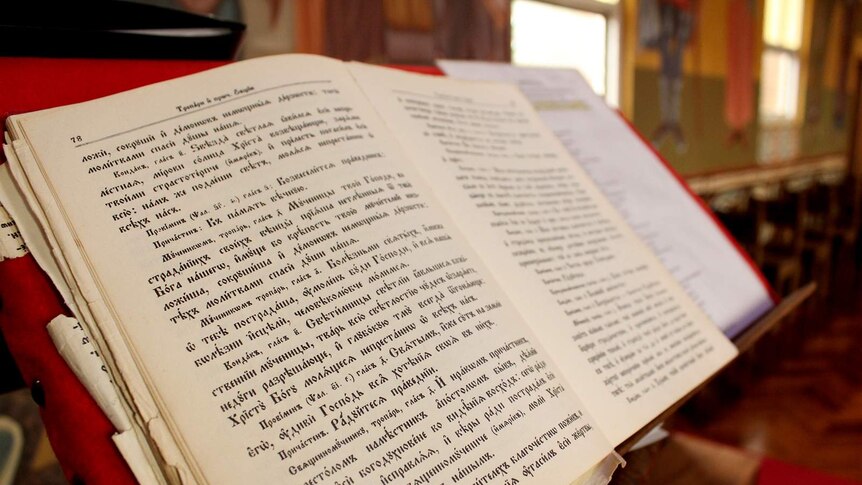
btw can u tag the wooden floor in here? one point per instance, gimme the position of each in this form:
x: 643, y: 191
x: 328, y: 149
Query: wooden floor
x: 798, y: 400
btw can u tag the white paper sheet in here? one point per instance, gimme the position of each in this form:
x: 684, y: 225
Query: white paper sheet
x: 638, y: 184
x: 84, y: 359
x: 72, y: 342
x: 11, y: 243
x: 28, y: 226
x: 602, y: 473
x: 131, y: 450
x: 76, y: 348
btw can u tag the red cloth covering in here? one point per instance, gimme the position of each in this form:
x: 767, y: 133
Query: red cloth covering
x: 30, y: 84
x: 78, y: 430
x: 774, y: 472
x: 429, y: 70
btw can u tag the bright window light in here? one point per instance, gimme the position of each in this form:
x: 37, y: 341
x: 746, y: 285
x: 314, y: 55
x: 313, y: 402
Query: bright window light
x: 782, y: 23
x: 553, y: 36
x: 779, y: 76
x: 779, y: 87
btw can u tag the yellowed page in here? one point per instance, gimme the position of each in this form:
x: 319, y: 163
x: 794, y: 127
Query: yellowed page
x: 78, y: 351
x: 602, y: 473
x: 11, y: 243
x: 31, y: 233
x: 78, y: 345
x: 76, y: 348
x: 612, y: 317
x: 130, y: 448
x: 298, y: 306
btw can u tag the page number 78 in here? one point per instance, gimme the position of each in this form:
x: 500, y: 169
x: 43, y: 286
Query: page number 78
x: 76, y: 139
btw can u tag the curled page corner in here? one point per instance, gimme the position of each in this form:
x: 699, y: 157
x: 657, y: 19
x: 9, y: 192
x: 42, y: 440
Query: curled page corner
x: 619, y: 459
x: 603, y: 471
x: 128, y: 445
x: 175, y: 466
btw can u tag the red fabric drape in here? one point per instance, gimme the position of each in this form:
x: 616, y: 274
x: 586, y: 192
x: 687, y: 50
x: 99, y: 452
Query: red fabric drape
x: 739, y: 85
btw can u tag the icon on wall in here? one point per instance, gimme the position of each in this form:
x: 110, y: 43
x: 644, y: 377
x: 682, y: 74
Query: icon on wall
x: 667, y: 25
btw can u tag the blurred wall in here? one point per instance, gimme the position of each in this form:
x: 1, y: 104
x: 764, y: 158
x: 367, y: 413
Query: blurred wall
x: 691, y: 68
x: 718, y: 92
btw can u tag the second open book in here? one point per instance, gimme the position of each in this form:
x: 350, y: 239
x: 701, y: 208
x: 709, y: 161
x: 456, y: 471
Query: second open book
x: 305, y: 271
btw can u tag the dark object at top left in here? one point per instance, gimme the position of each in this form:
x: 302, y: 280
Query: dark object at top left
x: 113, y: 29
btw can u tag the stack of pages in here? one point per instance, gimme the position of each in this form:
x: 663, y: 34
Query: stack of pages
x: 295, y: 270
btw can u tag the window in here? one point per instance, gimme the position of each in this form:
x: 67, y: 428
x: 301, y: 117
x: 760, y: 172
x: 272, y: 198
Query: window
x: 583, y: 34
x: 779, y: 78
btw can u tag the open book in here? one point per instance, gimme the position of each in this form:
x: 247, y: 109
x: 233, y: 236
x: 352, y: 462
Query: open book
x: 299, y: 270
x: 647, y: 193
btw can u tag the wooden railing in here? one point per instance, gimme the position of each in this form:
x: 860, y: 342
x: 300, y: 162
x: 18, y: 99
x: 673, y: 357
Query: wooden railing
x: 711, y: 183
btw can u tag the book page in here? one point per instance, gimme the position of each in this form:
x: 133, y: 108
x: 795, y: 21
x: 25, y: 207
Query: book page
x: 26, y: 224
x: 300, y: 308
x: 611, y: 316
x: 640, y: 186
x: 76, y: 348
x: 82, y: 356
x: 79, y: 346
x: 11, y: 243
